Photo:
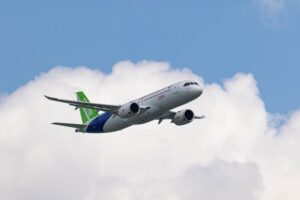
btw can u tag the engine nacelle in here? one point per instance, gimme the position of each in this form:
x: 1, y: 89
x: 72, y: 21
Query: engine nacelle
x: 183, y: 117
x: 129, y: 110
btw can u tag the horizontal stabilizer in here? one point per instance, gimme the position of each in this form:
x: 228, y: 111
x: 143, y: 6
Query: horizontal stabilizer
x: 80, y: 126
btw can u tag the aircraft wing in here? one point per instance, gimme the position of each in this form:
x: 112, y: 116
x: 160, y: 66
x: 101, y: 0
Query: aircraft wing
x: 199, y: 117
x: 170, y: 115
x: 79, y: 104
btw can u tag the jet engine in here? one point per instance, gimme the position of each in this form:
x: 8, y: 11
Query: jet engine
x: 129, y: 110
x: 183, y: 117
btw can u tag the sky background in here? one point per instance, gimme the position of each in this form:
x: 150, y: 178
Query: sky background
x: 243, y: 149
x: 214, y: 39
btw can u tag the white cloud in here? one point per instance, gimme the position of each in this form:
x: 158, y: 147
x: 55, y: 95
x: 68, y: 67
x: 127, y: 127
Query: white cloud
x: 237, y: 152
x: 2, y: 97
x: 221, y: 180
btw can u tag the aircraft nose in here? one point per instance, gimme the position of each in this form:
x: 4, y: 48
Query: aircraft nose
x: 196, y: 91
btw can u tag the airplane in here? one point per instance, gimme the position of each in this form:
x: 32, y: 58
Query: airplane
x: 154, y: 106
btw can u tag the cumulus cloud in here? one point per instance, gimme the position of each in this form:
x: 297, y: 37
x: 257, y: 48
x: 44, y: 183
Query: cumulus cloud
x: 238, y: 152
x: 220, y: 180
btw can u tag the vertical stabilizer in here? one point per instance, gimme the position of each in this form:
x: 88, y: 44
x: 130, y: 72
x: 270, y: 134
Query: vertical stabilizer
x: 86, y: 113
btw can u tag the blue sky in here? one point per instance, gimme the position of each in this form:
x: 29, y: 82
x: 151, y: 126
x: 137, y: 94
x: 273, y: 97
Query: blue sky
x: 214, y: 39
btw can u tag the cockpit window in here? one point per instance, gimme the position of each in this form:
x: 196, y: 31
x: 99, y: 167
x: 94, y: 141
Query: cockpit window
x: 190, y: 83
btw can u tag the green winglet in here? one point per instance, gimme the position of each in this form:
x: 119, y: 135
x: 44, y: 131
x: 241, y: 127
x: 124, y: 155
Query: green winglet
x: 86, y: 113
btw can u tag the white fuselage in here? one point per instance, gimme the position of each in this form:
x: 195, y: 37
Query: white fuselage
x: 157, y: 103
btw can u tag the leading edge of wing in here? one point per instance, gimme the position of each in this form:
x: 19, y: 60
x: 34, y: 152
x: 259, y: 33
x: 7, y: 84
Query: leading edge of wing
x: 79, y: 104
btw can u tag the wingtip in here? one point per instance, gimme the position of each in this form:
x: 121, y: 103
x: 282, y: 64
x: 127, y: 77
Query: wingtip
x: 50, y: 98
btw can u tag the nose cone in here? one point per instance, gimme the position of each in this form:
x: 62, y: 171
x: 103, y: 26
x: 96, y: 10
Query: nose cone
x: 196, y: 91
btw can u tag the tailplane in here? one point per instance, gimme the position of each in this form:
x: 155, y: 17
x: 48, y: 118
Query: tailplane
x: 79, y: 127
x: 86, y: 113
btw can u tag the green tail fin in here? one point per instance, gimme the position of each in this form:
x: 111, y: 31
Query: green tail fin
x: 86, y: 113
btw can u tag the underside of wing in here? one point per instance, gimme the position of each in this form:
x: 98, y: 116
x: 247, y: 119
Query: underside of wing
x: 170, y: 115
x: 166, y: 115
x: 199, y: 117
x: 79, y: 104
x: 79, y: 126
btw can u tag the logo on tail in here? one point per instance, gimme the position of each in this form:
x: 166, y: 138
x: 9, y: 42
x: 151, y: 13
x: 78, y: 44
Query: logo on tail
x: 87, y: 114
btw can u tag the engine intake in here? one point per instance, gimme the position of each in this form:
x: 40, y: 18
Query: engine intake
x: 189, y: 115
x: 183, y: 117
x: 129, y: 110
x: 135, y: 108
